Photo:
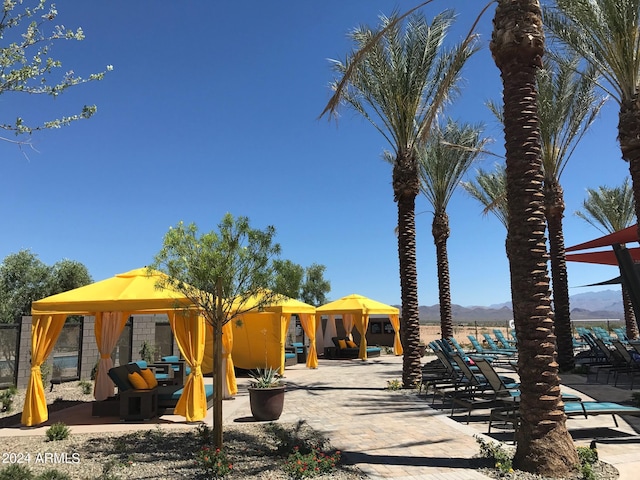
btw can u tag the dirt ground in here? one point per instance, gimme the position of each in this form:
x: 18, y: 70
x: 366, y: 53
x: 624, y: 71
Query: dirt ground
x: 429, y: 333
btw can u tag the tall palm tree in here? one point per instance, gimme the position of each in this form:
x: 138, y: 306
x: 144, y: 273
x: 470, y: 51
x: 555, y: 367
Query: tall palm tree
x: 443, y: 160
x: 399, y: 80
x: 517, y: 44
x: 567, y: 106
x: 606, y: 34
x: 610, y: 209
x: 490, y: 189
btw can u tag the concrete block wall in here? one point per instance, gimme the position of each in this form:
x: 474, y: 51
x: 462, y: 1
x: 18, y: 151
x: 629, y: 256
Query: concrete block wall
x: 90, y: 352
x: 143, y: 330
x: 24, y: 354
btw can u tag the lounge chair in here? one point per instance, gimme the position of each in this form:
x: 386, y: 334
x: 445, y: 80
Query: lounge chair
x: 461, y: 351
x: 504, y: 341
x: 493, y: 346
x: 633, y: 366
x: 586, y: 409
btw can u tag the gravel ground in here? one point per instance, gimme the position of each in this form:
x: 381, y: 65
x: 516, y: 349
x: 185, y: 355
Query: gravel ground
x: 157, y: 453
x: 163, y: 453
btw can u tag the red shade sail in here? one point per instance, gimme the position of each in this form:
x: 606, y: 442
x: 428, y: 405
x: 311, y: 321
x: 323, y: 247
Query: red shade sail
x: 626, y: 235
x: 606, y: 257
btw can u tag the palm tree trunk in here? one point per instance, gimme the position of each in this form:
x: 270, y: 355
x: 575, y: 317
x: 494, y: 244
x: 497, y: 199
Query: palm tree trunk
x: 406, y: 189
x: 628, y: 122
x: 629, y: 315
x: 544, y: 445
x: 441, y: 231
x: 562, y: 317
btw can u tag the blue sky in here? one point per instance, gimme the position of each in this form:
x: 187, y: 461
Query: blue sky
x: 212, y: 107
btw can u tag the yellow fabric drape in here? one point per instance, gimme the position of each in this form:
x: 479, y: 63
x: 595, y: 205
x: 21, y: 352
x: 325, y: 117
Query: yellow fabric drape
x: 308, y: 322
x: 45, y: 330
x: 362, y: 326
x: 227, y: 359
x: 108, y: 328
x: 347, y: 323
x: 189, y: 329
x: 207, y: 361
x: 397, y: 344
x: 285, y: 318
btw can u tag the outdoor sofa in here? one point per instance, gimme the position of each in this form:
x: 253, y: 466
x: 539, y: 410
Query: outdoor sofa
x: 345, y: 348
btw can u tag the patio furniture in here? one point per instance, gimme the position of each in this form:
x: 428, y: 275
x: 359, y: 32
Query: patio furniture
x: 346, y: 348
x: 300, y: 351
x: 135, y: 402
x: 290, y: 356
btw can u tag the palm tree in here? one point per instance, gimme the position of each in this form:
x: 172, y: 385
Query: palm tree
x: 567, y: 106
x: 606, y: 34
x: 544, y: 445
x: 490, y: 189
x: 443, y: 160
x: 610, y: 209
x: 399, y: 81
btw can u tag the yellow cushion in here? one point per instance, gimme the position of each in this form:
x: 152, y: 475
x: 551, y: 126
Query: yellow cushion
x: 351, y: 344
x: 137, y: 381
x: 342, y: 343
x: 149, y: 377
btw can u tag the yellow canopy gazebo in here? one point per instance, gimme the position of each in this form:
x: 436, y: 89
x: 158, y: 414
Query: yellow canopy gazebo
x: 355, y: 311
x: 112, y: 301
x: 259, y: 337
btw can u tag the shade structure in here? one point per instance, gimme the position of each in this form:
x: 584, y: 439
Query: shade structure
x: 260, y: 335
x: 606, y: 257
x: 111, y: 301
x: 626, y: 235
x: 360, y: 308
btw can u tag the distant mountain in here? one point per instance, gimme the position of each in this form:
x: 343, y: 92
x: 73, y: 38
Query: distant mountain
x: 587, y: 305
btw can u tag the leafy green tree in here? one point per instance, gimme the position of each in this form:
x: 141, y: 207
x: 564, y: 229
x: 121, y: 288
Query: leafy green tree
x: 25, y: 62
x: 225, y: 273
x: 289, y: 277
x: 315, y: 287
x: 444, y: 159
x: 24, y: 278
x: 400, y: 80
x: 544, y: 445
x: 610, y: 209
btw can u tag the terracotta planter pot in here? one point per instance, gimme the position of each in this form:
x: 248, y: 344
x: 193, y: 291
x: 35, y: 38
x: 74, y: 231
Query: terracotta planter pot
x: 266, y: 403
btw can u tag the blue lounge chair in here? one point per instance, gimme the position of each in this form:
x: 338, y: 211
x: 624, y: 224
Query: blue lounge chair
x: 493, y: 346
x: 504, y: 341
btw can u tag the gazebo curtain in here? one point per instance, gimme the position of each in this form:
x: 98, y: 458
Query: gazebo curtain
x: 108, y: 328
x: 308, y: 322
x: 45, y: 331
x: 189, y: 330
x: 397, y: 344
x: 362, y: 329
x: 230, y: 385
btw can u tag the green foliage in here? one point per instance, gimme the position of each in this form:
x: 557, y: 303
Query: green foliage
x: 148, y: 352
x: 24, y: 279
x: 265, y: 378
x: 204, y: 433
x: 298, y: 437
x: 53, y: 475
x: 304, y: 465
x: 220, y: 271
x: 27, y: 66
x: 213, y: 462
x: 16, y: 471
x: 588, y: 457
x: 6, y: 399
x: 94, y: 370
x: 315, y: 287
x: 502, y: 459
x: 45, y: 371
x: 57, y: 431
x: 86, y: 386
x: 394, y: 384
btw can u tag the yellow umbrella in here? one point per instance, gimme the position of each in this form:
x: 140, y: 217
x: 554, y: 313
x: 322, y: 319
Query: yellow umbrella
x: 361, y: 307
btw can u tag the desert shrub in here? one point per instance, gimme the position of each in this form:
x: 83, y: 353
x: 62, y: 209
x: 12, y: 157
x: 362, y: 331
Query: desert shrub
x: 53, y: 475
x: 502, y: 459
x: 394, y: 384
x: 316, y: 462
x: 214, y: 463
x: 85, y: 386
x: 6, y: 399
x: 16, y: 471
x: 57, y: 431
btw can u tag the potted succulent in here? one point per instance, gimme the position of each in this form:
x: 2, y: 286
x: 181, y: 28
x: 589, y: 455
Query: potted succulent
x: 266, y: 394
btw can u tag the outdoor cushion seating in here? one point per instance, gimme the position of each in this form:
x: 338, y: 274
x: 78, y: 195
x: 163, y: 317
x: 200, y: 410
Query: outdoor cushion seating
x: 290, y: 356
x: 179, y: 366
x: 347, y: 351
x: 161, y: 372
x: 168, y: 397
x: 301, y: 351
x: 134, y: 403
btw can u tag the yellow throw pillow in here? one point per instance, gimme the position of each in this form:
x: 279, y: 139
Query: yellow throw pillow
x: 342, y: 343
x: 137, y: 381
x: 351, y: 344
x: 149, y: 377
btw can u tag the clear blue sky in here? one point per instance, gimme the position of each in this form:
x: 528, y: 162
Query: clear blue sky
x: 212, y: 107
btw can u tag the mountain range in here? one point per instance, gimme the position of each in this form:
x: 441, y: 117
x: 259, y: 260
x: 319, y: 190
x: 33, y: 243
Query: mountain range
x: 606, y: 304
